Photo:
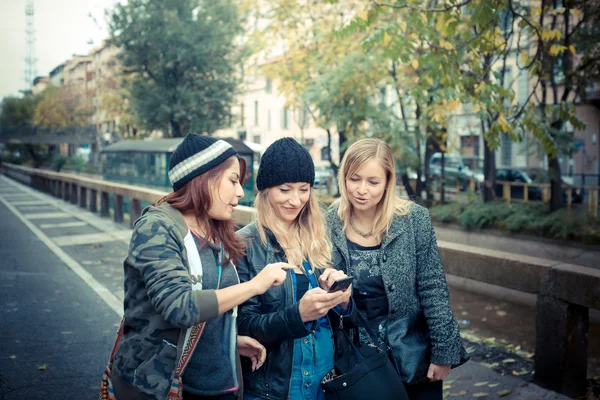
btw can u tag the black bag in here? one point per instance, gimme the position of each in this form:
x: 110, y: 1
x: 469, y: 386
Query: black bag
x: 362, y: 371
x: 411, y: 348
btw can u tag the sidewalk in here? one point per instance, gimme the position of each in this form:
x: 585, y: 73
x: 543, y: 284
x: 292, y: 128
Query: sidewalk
x: 98, y: 246
x: 565, y: 252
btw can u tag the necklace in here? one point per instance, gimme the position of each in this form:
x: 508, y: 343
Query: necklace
x: 361, y: 233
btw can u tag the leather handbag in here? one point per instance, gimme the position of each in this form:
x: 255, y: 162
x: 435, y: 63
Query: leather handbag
x: 411, y: 348
x: 362, y: 371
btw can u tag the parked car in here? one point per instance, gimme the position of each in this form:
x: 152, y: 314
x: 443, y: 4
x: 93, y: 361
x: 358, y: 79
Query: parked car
x: 454, y: 170
x: 540, y: 175
x: 322, y: 174
x: 517, y: 191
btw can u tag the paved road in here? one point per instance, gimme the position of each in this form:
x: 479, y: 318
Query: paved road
x: 55, y: 331
x: 60, y: 298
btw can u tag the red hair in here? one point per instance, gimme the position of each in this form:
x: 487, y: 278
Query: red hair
x: 195, y: 197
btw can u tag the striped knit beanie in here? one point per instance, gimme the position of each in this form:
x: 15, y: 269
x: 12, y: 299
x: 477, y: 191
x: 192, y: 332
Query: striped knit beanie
x: 285, y: 161
x: 196, y: 155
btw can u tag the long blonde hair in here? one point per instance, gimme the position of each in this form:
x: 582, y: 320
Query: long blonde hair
x: 307, y: 240
x: 357, y: 154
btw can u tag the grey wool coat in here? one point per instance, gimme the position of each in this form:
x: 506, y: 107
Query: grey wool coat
x: 413, y: 277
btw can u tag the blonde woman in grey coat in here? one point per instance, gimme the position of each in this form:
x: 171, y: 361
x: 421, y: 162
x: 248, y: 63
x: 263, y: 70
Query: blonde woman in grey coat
x: 389, y: 246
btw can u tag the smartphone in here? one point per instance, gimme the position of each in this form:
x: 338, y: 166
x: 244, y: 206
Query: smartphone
x: 341, y: 284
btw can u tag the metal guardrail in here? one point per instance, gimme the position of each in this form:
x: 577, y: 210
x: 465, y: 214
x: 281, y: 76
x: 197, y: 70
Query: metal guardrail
x: 565, y: 292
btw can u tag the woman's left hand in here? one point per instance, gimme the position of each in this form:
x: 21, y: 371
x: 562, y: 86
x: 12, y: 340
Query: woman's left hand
x: 328, y: 278
x: 251, y: 348
x: 438, y: 372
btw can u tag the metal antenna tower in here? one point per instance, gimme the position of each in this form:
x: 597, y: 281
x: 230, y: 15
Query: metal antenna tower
x: 30, y: 60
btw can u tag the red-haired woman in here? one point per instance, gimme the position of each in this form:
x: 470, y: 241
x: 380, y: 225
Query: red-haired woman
x: 181, y: 287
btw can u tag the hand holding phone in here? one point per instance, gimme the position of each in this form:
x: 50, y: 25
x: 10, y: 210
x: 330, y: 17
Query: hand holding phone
x: 341, y: 284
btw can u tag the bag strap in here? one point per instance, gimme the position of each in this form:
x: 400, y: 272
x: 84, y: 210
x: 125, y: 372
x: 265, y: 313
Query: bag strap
x: 364, y: 323
x: 117, y: 341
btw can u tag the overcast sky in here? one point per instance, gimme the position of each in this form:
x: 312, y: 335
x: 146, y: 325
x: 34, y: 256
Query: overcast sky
x: 63, y: 28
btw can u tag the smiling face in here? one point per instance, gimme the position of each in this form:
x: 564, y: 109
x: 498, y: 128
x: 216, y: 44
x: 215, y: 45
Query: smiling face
x: 288, y: 200
x: 366, y: 187
x: 226, y: 192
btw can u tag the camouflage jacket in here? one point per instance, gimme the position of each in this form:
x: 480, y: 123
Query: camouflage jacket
x: 159, y: 305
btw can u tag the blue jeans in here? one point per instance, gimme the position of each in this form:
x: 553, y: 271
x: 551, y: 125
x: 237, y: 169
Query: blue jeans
x: 313, y: 359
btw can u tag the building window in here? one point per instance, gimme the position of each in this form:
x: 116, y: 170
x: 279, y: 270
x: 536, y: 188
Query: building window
x: 304, y: 115
x: 256, y: 113
x: 325, y: 153
x: 269, y: 120
x: 268, y: 86
x: 285, y: 118
x: 256, y: 139
x: 506, y: 150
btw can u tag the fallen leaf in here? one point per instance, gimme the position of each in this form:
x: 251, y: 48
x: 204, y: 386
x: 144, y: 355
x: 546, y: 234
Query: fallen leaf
x: 464, y: 313
x: 501, y: 313
x: 481, y: 383
x: 529, y: 355
x: 508, y: 360
x: 484, y: 319
x: 43, y: 367
x: 471, y: 349
x: 489, y: 308
x: 67, y: 332
x: 447, y: 386
x: 459, y: 394
x: 493, y: 385
x: 12, y: 357
x: 505, y: 392
x: 481, y: 394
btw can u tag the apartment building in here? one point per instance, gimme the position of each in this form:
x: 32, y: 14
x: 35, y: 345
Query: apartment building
x: 261, y: 116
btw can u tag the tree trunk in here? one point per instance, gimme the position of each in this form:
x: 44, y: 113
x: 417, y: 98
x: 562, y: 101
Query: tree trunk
x: 175, y: 129
x: 556, y: 199
x: 334, y: 166
x: 489, y: 173
x: 489, y: 169
x: 443, y: 179
x: 430, y: 148
x: 407, y: 186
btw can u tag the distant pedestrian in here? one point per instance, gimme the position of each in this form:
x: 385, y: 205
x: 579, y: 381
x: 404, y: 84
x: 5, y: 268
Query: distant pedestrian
x: 389, y: 246
x: 294, y: 321
x: 181, y: 287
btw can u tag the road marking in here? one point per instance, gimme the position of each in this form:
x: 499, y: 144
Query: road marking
x: 109, y: 298
x: 30, y: 203
x: 47, y: 215
x: 73, y: 240
x: 63, y: 225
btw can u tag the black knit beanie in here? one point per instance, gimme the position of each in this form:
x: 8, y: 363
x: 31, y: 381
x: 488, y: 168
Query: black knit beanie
x: 285, y: 161
x: 196, y: 155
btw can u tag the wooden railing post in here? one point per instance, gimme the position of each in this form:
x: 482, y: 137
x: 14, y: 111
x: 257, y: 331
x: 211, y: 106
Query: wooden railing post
x: 526, y: 193
x: 593, y: 202
x: 93, y: 200
x: 546, y: 194
x: 104, y: 204
x: 66, y: 191
x: 82, y: 197
x: 118, y: 215
x: 135, y: 210
x: 506, y: 192
x: 74, y: 193
x: 561, y: 346
x: 58, y: 188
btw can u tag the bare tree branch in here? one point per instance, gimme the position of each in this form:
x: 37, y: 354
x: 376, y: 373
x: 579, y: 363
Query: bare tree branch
x: 443, y: 9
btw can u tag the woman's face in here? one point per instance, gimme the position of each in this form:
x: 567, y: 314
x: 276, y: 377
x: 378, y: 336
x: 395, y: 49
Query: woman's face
x: 366, y: 187
x: 289, y: 199
x: 226, y: 193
